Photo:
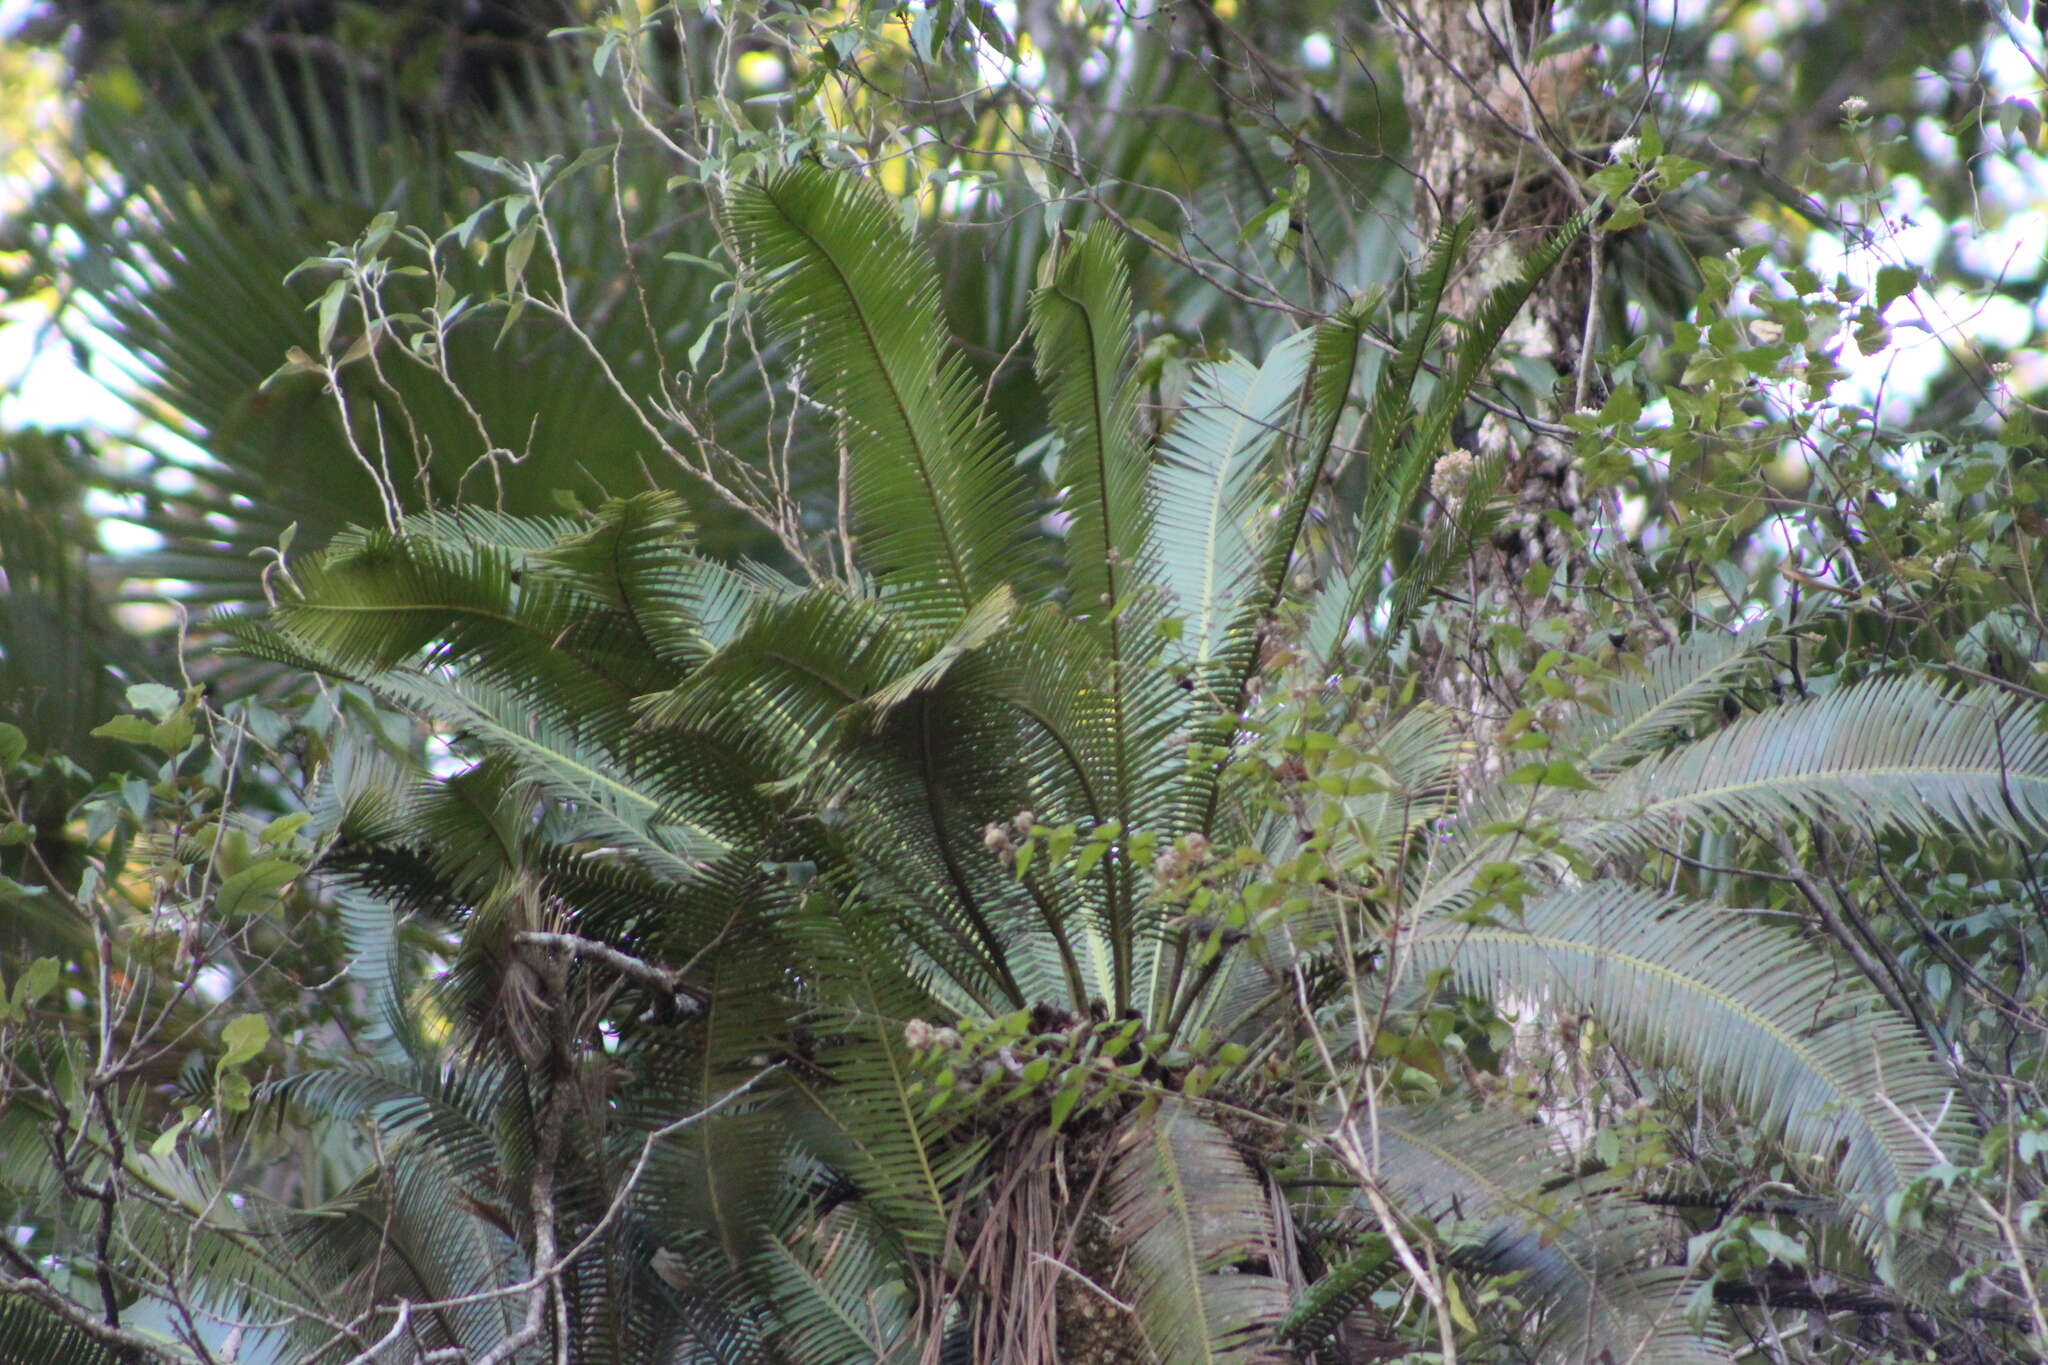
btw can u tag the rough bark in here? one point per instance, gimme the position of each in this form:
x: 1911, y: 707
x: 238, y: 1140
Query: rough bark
x: 1491, y: 134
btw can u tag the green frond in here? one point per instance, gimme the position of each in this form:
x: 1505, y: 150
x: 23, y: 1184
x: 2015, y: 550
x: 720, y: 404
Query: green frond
x: 469, y: 527
x: 792, y: 669
x: 29, y: 1332
x: 382, y: 599
x: 1891, y: 754
x: 1670, y: 688
x: 1446, y: 549
x: 1588, y: 1258
x: 1333, y: 363
x: 636, y: 561
x: 940, y: 511
x: 1397, y: 473
x: 849, y: 1301
x: 1392, y: 409
x: 1197, y: 1229
x: 1319, y: 1310
x: 190, y: 224
x: 669, y: 809
x: 907, y: 821
x: 1208, y: 487
x: 907, y: 1163
x: 1414, y: 762
x: 1809, y: 1052
x: 976, y: 629
x: 1081, y: 332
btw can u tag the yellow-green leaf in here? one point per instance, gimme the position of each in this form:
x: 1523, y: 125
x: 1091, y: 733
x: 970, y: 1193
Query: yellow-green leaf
x: 248, y: 889
x: 244, y: 1037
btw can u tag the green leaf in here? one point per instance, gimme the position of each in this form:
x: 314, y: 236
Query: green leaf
x: 244, y: 1036
x: 518, y: 253
x: 1090, y: 854
x: 235, y: 1091
x: 248, y: 890
x: 1063, y: 1103
x: 129, y: 729
x: 284, y: 827
x: 1890, y: 753
x: 496, y: 165
x: 155, y: 698
x: 1777, y: 1245
x: 329, y: 307
x: 38, y: 981
x: 172, y: 735
x: 1627, y: 214
x: 13, y: 743
x: 1217, y: 467
x: 1895, y: 282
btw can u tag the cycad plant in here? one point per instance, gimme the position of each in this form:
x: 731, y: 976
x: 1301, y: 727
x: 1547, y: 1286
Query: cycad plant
x: 991, y: 954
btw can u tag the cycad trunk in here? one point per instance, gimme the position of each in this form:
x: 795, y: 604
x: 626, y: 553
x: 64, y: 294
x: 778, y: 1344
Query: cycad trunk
x: 1489, y: 135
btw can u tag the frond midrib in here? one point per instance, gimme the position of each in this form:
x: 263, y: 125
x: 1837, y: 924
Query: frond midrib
x: 1815, y: 1065
x: 960, y: 585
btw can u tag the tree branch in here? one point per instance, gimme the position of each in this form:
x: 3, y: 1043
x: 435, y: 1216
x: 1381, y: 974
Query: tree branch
x: 666, y: 982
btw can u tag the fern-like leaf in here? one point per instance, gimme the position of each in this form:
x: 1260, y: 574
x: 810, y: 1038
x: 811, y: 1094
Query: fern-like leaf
x: 1809, y: 1052
x: 1198, y: 1233
x: 942, y: 514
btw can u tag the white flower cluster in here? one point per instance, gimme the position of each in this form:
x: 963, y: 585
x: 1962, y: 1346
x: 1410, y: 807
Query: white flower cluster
x: 1450, y: 477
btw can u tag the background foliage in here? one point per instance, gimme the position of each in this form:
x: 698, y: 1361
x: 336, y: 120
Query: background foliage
x: 1024, y: 682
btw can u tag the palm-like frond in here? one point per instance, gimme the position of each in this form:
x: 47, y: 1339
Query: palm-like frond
x: 1587, y: 1256
x: 59, y: 642
x: 1333, y: 363
x: 191, y: 222
x: 29, y: 1332
x: 672, y: 745
x: 848, y: 1302
x: 1209, y: 486
x: 1812, y: 1055
x: 906, y: 1161
x: 940, y: 510
x: 1413, y: 765
x: 1896, y: 753
x: 1199, y: 1234
x: 1399, y: 462
x: 1676, y: 685
x: 1081, y: 331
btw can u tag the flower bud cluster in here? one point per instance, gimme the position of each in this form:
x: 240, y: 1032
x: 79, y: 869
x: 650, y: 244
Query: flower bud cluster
x: 1002, y: 839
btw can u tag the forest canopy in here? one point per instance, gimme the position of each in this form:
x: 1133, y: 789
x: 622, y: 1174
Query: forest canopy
x: 1033, y: 682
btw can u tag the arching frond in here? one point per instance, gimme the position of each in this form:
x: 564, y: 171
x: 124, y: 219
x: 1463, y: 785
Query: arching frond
x: 1081, y: 331
x: 1587, y: 1257
x: 1397, y: 472
x: 904, y: 1159
x: 1675, y: 686
x: 30, y: 1332
x: 1198, y: 1232
x: 1812, y: 1054
x: 1896, y: 753
x: 941, y: 513
x: 1209, y: 485
x: 847, y: 1301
